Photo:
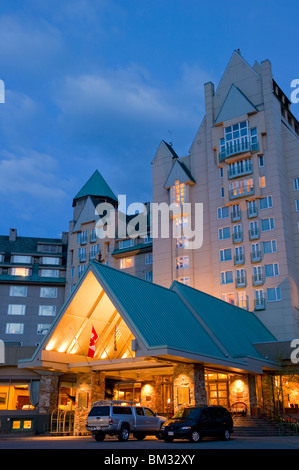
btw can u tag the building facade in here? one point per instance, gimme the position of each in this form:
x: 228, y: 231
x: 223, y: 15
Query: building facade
x: 243, y: 167
x: 85, y: 243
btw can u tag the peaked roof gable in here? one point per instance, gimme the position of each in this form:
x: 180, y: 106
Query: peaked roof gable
x: 235, y: 104
x: 96, y: 186
x: 88, y: 214
x: 179, y: 172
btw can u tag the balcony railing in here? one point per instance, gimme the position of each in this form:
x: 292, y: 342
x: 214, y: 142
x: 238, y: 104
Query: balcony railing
x: 258, y: 279
x: 260, y: 304
x: 256, y: 256
x: 252, y: 211
x: 238, y: 147
x: 254, y: 233
x: 236, y: 216
x: 243, y: 303
x: 239, y: 259
x: 237, y: 236
x: 241, y: 170
x: 241, y: 281
x: 241, y: 191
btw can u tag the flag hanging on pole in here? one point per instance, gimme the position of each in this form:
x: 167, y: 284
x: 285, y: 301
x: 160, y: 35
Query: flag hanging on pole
x: 117, y: 334
x: 93, y: 339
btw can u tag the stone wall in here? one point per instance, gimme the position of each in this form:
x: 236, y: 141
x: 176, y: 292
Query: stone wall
x: 48, y: 394
x: 90, y: 387
x: 191, y: 378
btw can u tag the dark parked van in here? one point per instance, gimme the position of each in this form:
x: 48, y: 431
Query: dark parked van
x: 194, y: 423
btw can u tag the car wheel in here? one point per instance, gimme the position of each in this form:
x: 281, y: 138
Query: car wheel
x: 226, y: 435
x: 195, y: 436
x: 99, y: 436
x: 124, y: 433
x: 168, y: 439
x: 139, y: 436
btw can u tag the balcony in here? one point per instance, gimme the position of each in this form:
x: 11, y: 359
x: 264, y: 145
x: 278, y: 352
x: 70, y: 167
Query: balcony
x: 258, y: 279
x: 260, y: 304
x: 237, y: 236
x: 239, y: 259
x: 254, y: 233
x: 252, y: 211
x: 241, y: 170
x: 241, y: 281
x: 256, y: 256
x: 243, y: 303
x: 238, y: 147
x: 236, y: 216
x: 247, y: 190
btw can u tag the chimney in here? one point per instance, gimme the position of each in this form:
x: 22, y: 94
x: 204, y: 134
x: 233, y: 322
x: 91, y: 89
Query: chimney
x: 12, y: 234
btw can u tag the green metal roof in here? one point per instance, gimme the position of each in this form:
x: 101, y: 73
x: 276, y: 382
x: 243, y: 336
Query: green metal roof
x: 157, y: 313
x: 236, y: 328
x: 96, y: 186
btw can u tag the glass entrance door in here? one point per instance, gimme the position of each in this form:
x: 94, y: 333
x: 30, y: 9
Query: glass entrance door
x: 218, y: 393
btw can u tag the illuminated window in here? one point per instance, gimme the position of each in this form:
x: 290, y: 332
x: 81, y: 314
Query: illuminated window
x: 262, y: 181
x: 182, y: 242
x: 14, y: 395
x: 182, y: 262
x: 20, y: 272
x: 14, y: 328
x: 184, y: 280
x: 229, y: 298
x: 126, y: 263
x: 178, y: 193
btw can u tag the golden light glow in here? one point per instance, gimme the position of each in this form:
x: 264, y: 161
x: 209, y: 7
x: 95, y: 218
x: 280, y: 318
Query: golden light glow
x: 50, y: 345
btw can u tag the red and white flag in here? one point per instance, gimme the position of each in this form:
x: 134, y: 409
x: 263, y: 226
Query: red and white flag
x: 93, y: 339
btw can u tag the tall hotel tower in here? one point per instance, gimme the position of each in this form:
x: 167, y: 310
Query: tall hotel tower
x: 243, y: 166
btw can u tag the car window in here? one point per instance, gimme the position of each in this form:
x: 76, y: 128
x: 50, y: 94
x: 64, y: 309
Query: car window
x: 99, y: 411
x: 122, y: 410
x: 149, y: 412
x: 205, y: 414
x: 187, y: 413
x: 216, y: 413
x: 139, y: 411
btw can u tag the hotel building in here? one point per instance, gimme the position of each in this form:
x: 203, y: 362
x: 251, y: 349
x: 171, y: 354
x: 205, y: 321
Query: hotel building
x: 243, y: 167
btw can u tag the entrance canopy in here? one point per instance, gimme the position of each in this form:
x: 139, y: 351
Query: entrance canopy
x: 135, y: 323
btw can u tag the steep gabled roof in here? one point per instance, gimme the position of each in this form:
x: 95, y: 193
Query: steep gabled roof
x: 179, y: 172
x: 235, y: 104
x: 96, y: 186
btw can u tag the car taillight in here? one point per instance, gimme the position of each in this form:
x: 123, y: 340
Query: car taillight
x: 110, y: 420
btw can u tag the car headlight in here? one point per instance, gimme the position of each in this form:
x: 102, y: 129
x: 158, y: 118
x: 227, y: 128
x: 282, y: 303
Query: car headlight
x: 163, y: 427
x: 186, y: 427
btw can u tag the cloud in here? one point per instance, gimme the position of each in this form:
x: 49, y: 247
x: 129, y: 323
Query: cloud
x: 30, y: 174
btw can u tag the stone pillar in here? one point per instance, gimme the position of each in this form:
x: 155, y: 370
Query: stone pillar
x: 267, y: 391
x: 48, y: 394
x: 149, y: 395
x: 90, y: 387
x: 189, y: 385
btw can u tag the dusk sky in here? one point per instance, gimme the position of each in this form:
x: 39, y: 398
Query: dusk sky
x: 97, y: 84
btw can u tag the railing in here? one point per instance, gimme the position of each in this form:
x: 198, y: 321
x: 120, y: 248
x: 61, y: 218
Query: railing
x: 241, y: 170
x: 238, y: 409
x: 237, y: 236
x: 256, y: 256
x: 241, y: 281
x: 254, y: 234
x: 241, y: 192
x: 258, y: 279
x: 239, y: 259
x: 260, y: 303
x: 286, y: 424
x: 236, y: 216
x: 238, y: 147
x: 252, y: 212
